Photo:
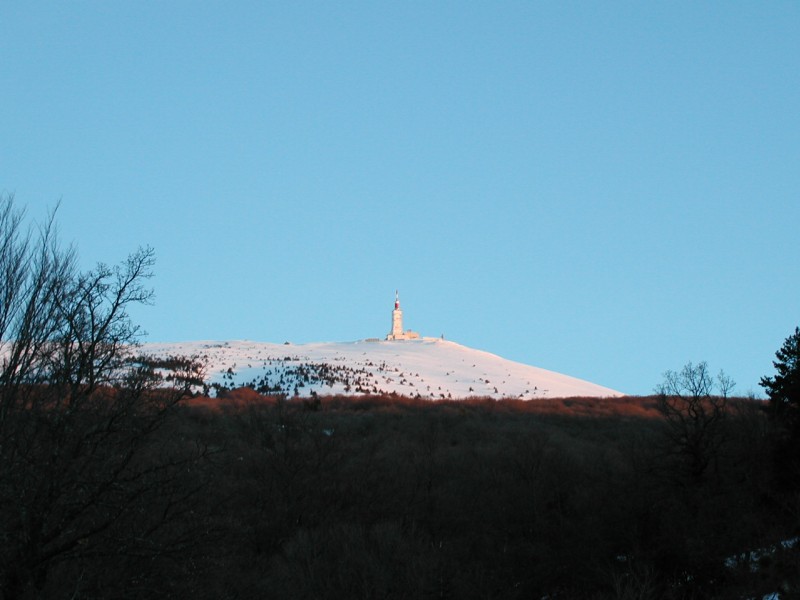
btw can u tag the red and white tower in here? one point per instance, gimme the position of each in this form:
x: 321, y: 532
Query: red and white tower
x: 397, y: 332
x: 397, y: 318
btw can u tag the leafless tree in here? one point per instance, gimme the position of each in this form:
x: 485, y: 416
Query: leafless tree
x: 694, y: 414
x: 87, y: 473
x: 725, y: 383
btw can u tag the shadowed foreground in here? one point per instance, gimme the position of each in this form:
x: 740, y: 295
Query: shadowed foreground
x: 249, y: 496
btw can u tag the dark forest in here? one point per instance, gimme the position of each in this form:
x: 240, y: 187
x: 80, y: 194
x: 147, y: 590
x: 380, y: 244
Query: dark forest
x: 385, y: 497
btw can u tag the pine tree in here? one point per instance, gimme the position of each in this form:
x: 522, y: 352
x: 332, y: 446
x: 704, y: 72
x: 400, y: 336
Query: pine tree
x: 784, y: 388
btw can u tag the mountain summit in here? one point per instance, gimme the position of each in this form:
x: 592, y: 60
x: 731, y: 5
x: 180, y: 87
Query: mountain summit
x: 430, y: 368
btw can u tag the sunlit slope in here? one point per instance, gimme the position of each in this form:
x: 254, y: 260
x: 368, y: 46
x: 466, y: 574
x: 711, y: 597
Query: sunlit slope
x: 430, y: 368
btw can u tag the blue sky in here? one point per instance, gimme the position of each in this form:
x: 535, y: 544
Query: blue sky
x: 607, y: 190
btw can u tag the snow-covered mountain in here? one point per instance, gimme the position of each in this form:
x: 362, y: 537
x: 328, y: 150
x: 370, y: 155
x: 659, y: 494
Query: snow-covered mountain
x: 430, y: 368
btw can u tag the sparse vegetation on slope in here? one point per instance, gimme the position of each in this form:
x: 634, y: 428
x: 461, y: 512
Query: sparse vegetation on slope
x: 435, y: 369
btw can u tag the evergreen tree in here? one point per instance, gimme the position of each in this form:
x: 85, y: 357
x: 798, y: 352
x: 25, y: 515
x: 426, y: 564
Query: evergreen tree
x: 784, y: 388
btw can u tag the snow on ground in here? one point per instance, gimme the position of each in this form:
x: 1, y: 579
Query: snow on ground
x: 431, y: 368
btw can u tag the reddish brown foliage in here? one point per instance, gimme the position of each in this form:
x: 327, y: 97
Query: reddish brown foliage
x: 645, y: 407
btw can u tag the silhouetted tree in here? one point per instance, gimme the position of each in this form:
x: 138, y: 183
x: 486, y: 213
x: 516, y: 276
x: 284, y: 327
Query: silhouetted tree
x: 783, y: 388
x: 90, y: 487
x: 694, y: 415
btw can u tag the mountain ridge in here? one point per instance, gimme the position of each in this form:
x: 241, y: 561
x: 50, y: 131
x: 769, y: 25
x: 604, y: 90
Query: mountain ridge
x: 429, y: 368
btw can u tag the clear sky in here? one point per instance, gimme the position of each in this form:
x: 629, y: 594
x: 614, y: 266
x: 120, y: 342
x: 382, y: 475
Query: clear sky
x: 607, y: 190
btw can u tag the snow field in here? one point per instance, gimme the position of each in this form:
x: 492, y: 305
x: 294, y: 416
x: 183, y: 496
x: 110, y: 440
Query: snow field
x: 430, y: 368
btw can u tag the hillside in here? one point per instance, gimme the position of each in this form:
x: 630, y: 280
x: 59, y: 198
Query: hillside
x: 429, y: 368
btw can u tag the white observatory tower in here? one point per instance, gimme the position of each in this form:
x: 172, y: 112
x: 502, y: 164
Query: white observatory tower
x: 397, y: 332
